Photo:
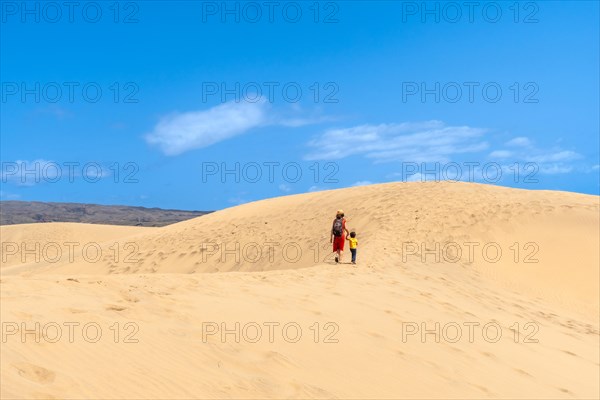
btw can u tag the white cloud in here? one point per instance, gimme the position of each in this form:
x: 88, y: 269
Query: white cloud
x: 180, y: 132
x: 54, y: 110
x: 285, y: 188
x: 418, y: 177
x: 29, y: 173
x: 9, y: 196
x: 553, y: 156
x: 547, y: 161
x: 501, y: 154
x: 417, y: 142
x: 552, y: 169
x: 237, y: 200
x: 295, y: 122
x: 362, y: 183
x: 520, y: 141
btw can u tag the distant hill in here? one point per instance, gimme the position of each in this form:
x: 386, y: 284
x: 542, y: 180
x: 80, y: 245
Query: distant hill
x: 25, y: 212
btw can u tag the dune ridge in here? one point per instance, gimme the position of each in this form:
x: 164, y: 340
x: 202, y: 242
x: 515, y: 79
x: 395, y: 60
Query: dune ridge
x: 395, y: 222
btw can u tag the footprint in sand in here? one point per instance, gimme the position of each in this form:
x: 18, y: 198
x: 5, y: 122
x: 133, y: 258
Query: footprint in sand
x: 115, y: 308
x: 75, y: 311
x: 34, y: 373
x: 522, y: 372
x: 128, y: 297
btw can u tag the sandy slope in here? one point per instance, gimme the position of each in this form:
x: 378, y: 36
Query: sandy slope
x: 31, y: 246
x: 365, y: 313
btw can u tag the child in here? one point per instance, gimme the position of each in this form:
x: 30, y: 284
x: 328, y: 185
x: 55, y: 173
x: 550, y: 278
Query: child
x: 353, y: 245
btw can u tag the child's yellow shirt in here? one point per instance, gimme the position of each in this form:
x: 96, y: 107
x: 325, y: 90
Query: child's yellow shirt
x: 353, y: 242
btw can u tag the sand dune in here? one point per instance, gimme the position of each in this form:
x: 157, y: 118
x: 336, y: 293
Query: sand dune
x: 32, y: 246
x: 522, y: 323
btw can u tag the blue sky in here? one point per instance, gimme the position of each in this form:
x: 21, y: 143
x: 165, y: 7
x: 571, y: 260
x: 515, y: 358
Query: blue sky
x: 201, y: 105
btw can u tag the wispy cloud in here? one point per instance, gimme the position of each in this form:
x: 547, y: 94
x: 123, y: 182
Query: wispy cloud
x: 501, y: 154
x: 9, y: 196
x: 552, y: 169
x: 285, y: 188
x: 32, y: 172
x: 54, y: 110
x: 431, y: 143
x: 180, y: 132
x: 362, y: 183
x: 295, y: 122
x: 417, y: 142
x: 520, y: 141
x: 29, y: 173
x: 554, y: 156
x: 237, y: 200
x: 548, y: 160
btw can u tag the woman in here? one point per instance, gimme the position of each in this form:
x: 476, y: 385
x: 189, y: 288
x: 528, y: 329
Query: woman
x: 337, y: 234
